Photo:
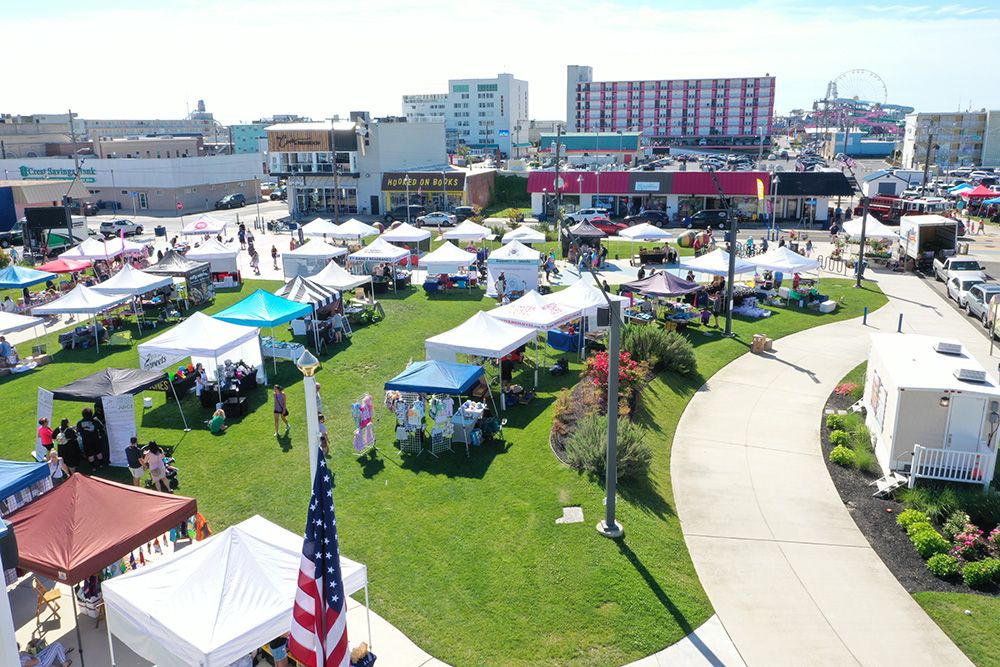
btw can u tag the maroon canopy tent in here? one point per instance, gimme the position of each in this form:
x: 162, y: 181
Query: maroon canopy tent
x: 88, y: 523
x: 662, y: 284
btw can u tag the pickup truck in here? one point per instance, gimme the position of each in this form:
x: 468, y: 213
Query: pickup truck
x: 945, y: 267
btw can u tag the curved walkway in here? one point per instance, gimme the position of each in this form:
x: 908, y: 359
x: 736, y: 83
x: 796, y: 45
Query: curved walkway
x: 791, y: 577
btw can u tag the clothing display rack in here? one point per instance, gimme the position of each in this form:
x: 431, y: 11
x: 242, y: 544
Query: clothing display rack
x: 363, y: 412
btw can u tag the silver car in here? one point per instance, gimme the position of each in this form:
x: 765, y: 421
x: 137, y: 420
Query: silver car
x: 958, y: 288
x: 977, y: 301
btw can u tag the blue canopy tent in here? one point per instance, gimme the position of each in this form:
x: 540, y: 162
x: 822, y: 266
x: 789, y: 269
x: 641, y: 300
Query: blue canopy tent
x: 22, y: 276
x: 995, y: 200
x: 16, y: 476
x: 436, y: 377
x: 263, y: 309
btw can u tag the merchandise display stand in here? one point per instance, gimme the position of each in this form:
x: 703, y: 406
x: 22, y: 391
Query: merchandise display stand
x: 409, y: 410
x: 440, y: 409
x: 363, y: 411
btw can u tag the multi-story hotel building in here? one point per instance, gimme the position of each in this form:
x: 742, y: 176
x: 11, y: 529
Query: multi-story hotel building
x: 722, y: 113
x: 960, y: 139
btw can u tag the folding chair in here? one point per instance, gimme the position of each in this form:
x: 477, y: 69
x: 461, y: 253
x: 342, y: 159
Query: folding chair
x: 47, y: 599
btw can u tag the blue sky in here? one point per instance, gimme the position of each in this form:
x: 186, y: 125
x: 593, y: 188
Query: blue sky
x: 251, y: 58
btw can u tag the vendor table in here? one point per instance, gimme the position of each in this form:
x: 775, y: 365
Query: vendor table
x: 637, y: 316
x: 562, y: 341
x: 279, y: 349
x: 81, y: 337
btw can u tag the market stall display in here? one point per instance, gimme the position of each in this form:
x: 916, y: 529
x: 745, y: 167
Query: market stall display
x: 20, y: 483
x: 196, y: 276
x: 263, y: 309
x: 238, y: 594
x: 205, y: 224
x: 716, y: 263
x: 586, y: 298
x: 533, y: 311
x: 524, y: 234
x: 309, y: 258
x: 107, y: 249
x: 519, y: 265
x: 482, y: 335
x: 784, y: 259
x: 15, y: 276
x: 336, y: 277
x: 873, y: 229
x: 82, y: 300
x: 450, y: 262
x: 205, y: 340
x: 467, y: 230
x: 381, y: 251
x: 130, y: 281
x: 223, y: 262
x: 11, y: 322
x: 352, y: 229
x: 404, y: 232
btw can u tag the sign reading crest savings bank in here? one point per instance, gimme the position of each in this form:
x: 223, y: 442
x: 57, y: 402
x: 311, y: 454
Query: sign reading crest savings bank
x: 87, y: 174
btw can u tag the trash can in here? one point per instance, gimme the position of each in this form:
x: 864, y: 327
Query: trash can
x: 160, y: 230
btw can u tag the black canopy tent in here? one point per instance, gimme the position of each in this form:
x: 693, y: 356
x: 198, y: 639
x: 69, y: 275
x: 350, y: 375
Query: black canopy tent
x: 197, y: 275
x: 114, y: 382
x: 584, y: 232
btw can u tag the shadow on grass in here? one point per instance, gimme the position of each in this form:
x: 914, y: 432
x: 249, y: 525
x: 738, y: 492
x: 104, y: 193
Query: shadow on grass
x: 455, y: 463
x: 457, y: 294
x: 656, y: 589
x: 371, y: 464
x: 645, y: 494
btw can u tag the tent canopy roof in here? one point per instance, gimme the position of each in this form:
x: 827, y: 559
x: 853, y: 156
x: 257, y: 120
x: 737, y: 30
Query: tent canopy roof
x: 263, y: 309
x: 467, y: 230
x: 663, y: 284
x: 404, y: 232
x: 784, y: 259
x: 107, y: 249
x: 198, y: 336
x: 65, y: 265
x: 319, y: 227
x: 131, y: 281
x: 645, y: 232
x: 335, y: 276
x: 380, y: 250
x: 205, y: 224
x: 482, y: 335
x: 717, y: 263
x: 447, y: 257
x: 515, y: 251
x: 86, y: 523
x: 176, y: 264
x: 320, y: 249
x: 524, y: 234
x: 81, y: 299
x: 436, y: 377
x: 979, y: 191
x: 212, y: 249
x: 217, y: 600
x: 18, y: 475
x: 303, y: 290
x: 10, y: 322
x: 873, y: 228
x: 586, y: 230
x: 109, y: 382
x: 534, y: 311
x: 22, y: 276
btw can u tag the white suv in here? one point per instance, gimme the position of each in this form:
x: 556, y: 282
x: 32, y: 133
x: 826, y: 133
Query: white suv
x: 587, y: 214
x: 111, y: 228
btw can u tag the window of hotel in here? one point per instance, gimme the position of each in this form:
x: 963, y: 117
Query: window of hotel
x: 486, y: 86
x: 460, y: 88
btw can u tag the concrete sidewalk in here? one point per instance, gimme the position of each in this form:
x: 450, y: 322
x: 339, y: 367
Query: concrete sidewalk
x: 791, y: 577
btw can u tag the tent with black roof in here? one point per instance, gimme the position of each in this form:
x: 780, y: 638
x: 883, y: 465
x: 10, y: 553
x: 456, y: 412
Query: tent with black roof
x: 196, y: 275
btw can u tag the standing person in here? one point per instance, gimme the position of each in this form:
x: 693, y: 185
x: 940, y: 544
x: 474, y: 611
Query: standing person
x: 133, y: 455
x: 57, y: 467
x: 254, y: 261
x: 641, y: 274
x: 279, y: 650
x: 809, y: 248
x: 242, y: 235
x: 200, y: 380
x: 274, y: 256
x: 291, y: 243
x: 280, y: 409
x: 157, y: 468
x: 45, y: 433
x: 91, y: 430
x: 67, y: 445
x: 501, y: 285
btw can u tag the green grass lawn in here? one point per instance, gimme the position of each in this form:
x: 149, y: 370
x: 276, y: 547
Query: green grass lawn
x: 975, y: 634
x: 464, y: 554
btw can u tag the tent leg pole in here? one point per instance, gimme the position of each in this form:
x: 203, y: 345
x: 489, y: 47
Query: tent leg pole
x: 183, y: 418
x: 111, y: 646
x: 97, y: 337
x: 368, y: 617
x: 76, y: 622
x: 274, y: 358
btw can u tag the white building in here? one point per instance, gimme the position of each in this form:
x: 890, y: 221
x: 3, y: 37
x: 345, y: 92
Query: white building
x: 957, y: 139
x: 153, y: 185
x: 424, y: 108
x: 575, y: 75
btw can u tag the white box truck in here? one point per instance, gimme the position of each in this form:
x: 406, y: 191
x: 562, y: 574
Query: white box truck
x: 924, y: 237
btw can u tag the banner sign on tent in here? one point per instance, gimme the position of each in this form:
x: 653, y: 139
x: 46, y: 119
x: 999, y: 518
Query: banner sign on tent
x: 44, y: 410
x: 119, y: 420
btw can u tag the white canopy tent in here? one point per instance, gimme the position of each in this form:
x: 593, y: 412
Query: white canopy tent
x: 447, y: 258
x: 525, y: 234
x: 783, y: 259
x: 309, y: 258
x: 207, y: 341
x: 645, y: 232
x: 220, y: 257
x: 205, y: 224
x: 217, y: 600
x: 467, y: 230
x: 873, y: 229
x: 583, y: 296
x: 130, y: 281
x: 406, y: 233
x: 482, y: 335
x: 716, y: 263
x: 320, y: 227
x: 533, y: 311
x: 379, y: 250
x: 518, y: 263
x: 353, y: 229
x: 11, y: 322
x: 335, y: 276
x: 108, y: 249
x: 82, y: 300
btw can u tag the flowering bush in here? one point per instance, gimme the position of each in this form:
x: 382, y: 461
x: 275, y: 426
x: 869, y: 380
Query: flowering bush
x: 969, y: 544
x: 993, y: 542
x: 845, y: 388
x: 630, y: 375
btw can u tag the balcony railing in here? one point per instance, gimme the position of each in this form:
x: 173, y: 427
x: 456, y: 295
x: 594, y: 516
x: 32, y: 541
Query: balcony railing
x: 952, y: 465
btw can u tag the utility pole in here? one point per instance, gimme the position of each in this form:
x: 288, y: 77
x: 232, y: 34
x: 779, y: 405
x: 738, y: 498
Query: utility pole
x: 861, y: 250
x: 556, y: 184
x: 927, y: 160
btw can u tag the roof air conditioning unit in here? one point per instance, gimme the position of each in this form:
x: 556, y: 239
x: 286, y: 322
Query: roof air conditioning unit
x: 970, y: 375
x: 944, y: 347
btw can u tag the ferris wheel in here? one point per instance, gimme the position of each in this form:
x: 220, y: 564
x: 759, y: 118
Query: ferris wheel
x: 861, y: 86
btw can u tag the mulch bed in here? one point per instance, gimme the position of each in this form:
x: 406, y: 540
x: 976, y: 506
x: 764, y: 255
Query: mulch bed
x: 877, y: 520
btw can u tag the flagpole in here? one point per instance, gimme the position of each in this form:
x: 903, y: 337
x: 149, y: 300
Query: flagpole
x: 308, y: 364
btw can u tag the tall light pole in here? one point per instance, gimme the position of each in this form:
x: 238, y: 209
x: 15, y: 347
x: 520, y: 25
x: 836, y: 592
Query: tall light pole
x: 620, y: 149
x: 774, y: 204
x: 861, y: 250
x: 610, y: 527
x: 760, y: 151
x: 309, y: 364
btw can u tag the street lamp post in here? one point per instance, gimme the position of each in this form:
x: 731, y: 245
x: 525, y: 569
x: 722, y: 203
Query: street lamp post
x: 861, y: 250
x: 774, y: 206
x: 610, y: 527
x: 545, y: 202
x: 620, y: 149
x: 309, y: 364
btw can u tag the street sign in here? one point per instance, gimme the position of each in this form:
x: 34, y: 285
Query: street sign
x: 134, y: 194
x: 180, y: 206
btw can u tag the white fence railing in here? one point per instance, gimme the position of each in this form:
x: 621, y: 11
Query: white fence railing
x: 952, y: 466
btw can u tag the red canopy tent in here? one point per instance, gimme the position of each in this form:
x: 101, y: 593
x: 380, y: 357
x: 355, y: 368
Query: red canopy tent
x: 64, y: 266
x: 976, y: 192
x: 88, y: 523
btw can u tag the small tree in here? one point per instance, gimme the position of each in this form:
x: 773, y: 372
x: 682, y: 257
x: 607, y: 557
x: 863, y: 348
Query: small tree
x: 4, y: 259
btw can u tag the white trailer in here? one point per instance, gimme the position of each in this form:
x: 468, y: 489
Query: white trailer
x: 932, y: 409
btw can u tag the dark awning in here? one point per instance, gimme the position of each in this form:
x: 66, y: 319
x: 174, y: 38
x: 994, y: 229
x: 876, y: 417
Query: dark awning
x: 109, y: 382
x: 585, y: 230
x: 176, y: 264
x: 663, y: 284
x: 812, y: 184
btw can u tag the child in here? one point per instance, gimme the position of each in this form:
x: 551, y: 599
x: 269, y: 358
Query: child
x: 706, y: 315
x: 217, y: 424
x: 324, y: 441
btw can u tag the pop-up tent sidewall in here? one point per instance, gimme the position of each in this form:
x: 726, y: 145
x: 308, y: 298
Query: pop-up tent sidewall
x: 245, y: 348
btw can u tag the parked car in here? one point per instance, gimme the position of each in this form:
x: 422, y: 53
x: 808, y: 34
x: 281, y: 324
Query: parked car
x: 959, y: 286
x: 279, y: 194
x: 77, y: 207
x: 608, y: 227
x: 657, y: 218
x: 587, y: 214
x: 977, y: 301
x: 712, y: 217
x: 235, y: 200
x: 110, y: 228
x: 464, y: 212
x: 437, y: 219
x: 12, y: 236
x: 400, y: 213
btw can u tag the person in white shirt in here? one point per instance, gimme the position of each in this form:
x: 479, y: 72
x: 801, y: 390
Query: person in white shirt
x: 8, y: 305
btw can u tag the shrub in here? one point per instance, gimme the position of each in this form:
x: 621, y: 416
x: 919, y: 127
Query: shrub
x: 915, y: 528
x: 587, y: 449
x: 835, y: 422
x: 908, y: 517
x: 630, y: 374
x: 662, y: 349
x: 677, y: 354
x: 943, y: 565
x: 981, y: 573
x: 864, y: 459
x: 969, y: 544
x: 842, y: 456
x: 936, y: 503
x: 845, y: 389
x: 929, y: 542
x: 954, y: 524
x: 839, y: 438
x: 983, y: 508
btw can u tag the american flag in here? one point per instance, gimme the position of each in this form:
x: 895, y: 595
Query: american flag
x: 319, y: 618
